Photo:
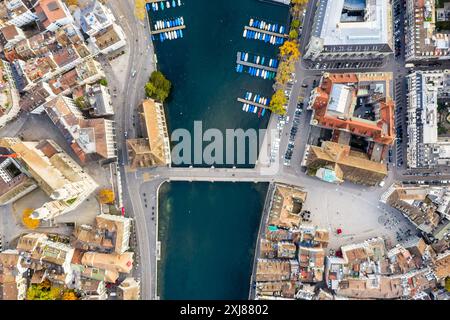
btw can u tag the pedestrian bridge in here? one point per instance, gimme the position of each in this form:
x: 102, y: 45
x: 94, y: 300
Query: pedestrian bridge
x: 213, y: 174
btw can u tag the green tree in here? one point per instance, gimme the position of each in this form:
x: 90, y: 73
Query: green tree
x: 103, y: 82
x: 293, y: 34
x: 278, y: 102
x: 81, y: 102
x: 43, y: 291
x: 295, y: 23
x: 158, y: 86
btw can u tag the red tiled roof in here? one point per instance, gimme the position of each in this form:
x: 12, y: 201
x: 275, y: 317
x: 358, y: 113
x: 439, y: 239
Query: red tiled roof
x: 52, y: 9
x: 381, y: 131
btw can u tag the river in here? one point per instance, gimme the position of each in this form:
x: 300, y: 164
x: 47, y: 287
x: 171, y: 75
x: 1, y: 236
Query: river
x: 208, y: 230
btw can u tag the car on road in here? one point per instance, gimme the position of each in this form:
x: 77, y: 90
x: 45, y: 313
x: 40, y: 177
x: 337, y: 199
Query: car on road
x: 133, y: 73
x: 304, y: 85
x: 126, y: 134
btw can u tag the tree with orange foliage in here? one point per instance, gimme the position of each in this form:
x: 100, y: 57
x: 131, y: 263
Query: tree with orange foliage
x: 290, y: 50
x: 29, y: 222
x: 72, y: 2
x: 69, y: 295
x: 106, y: 196
x: 139, y: 9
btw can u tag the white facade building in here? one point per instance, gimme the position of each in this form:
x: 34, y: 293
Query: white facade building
x: 351, y: 29
x: 425, y: 148
x: 53, y: 14
x: 19, y: 14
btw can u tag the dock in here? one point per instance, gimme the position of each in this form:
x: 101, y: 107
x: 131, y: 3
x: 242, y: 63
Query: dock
x: 168, y: 29
x: 253, y: 103
x: 250, y: 64
x: 280, y: 35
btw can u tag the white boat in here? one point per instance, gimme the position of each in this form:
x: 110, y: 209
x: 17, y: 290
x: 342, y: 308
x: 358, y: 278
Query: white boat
x: 257, y: 60
x: 255, y: 110
x: 182, y: 20
x: 268, y: 27
x: 246, y: 108
x: 257, y: 72
x: 265, y: 101
x: 261, y: 26
x: 245, y: 33
x: 168, y: 4
x: 250, y: 96
x: 243, y: 107
x: 175, y: 36
x: 251, y: 22
x: 246, y: 57
x: 179, y: 2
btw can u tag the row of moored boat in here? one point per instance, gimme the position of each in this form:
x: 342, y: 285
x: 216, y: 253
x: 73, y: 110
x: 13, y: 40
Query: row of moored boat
x: 249, y: 34
x: 165, y: 24
x: 169, y: 35
x: 249, y: 96
x: 273, y: 63
x: 256, y: 72
x: 264, y: 34
x: 154, y: 6
x: 266, y: 26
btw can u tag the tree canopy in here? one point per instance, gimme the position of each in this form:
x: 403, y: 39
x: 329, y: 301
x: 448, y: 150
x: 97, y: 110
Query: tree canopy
x: 284, y: 71
x: 278, y: 102
x: 300, y: 2
x: 295, y: 23
x: 106, y: 196
x: 43, y: 291
x: 290, y: 49
x: 158, y: 86
x: 293, y: 34
x: 29, y: 222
